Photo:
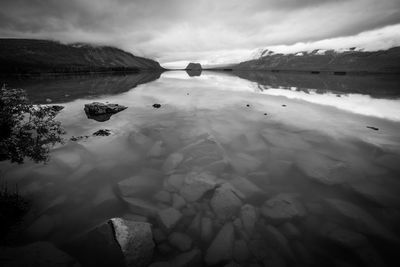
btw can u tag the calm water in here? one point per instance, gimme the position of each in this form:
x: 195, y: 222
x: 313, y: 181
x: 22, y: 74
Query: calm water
x: 302, y: 135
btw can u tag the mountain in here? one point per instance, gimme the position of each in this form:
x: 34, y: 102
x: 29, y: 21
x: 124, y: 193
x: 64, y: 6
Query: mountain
x: 352, y: 60
x: 44, y: 56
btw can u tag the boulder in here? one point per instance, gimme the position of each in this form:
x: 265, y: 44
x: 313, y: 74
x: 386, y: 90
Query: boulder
x: 168, y: 218
x: 141, y: 207
x: 193, y: 66
x: 343, y: 237
x: 135, y: 240
x: 174, y: 182
x: 181, y: 241
x: 244, y: 163
x: 241, y: 252
x: 247, y: 188
x: 172, y: 162
x: 281, y: 208
x: 195, y: 226
x: 196, y: 185
x: 278, y: 241
x: 249, y: 216
x: 290, y: 231
x: 102, y: 112
x: 156, y: 150
x: 221, y: 247
x: 206, y: 229
x: 137, y: 186
x: 225, y: 202
x: 178, y: 202
x: 40, y: 254
x: 188, y: 259
x: 162, y: 196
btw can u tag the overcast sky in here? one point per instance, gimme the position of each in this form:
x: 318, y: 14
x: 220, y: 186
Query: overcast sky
x: 210, y: 31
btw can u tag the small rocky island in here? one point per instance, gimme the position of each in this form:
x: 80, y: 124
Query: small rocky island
x: 194, y: 69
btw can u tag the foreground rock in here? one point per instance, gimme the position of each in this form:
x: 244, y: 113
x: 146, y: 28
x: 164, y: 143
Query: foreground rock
x: 196, y: 185
x: 168, y: 218
x: 135, y: 240
x: 225, y: 203
x: 102, y: 112
x: 188, y: 259
x: 221, y: 248
x: 40, y: 254
x: 282, y: 207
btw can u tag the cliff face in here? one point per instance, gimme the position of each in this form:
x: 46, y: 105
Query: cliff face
x: 194, y: 66
x: 38, y: 56
x: 387, y: 61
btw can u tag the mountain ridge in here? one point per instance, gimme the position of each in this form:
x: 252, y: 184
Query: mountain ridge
x: 46, y: 56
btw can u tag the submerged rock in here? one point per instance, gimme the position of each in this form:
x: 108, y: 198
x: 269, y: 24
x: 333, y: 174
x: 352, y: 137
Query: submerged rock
x: 39, y: 254
x: 137, y: 186
x: 196, y: 185
x: 206, y: 229
x: 141, y: 207
x: 135, y: 240
x: 172, y: 162
x: 361, y: 220
x: 102, y: 112
x: 249, y: 216
x: 240, y: 251
x: 247, y: 188
x: 168, y: 218
x: 188, y: 259
x: 180, y: 241
x: 221, y: 248
x: 178, y: 202
x: 343, y: 237
x: 225, y: 202
x: 282, y: 207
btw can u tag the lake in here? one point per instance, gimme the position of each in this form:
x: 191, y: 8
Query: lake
x: 315, y: 159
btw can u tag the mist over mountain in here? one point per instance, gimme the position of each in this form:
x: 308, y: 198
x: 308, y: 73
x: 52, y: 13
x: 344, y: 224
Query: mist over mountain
x: 351, y: 60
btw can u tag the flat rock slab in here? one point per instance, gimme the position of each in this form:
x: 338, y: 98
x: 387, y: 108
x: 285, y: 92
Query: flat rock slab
x: 196, y: 185
x: 225, y: 202
x: 135, y: 240
x: 221, y: 248
x: 281, y: 208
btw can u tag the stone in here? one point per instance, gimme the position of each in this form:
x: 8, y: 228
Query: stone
x: 241, y: 252
x: 361, y: 220
x: 180, y: 241
x: 281, y: 208
x: 258, y: 248
x: 135, y: 240
x: 278, y: 241
x: 290, y: 231
x: 174, y: 182
x: 156, y: 105
x: 168, y: 218
x: 135, y: 218
x: 247, y: 188
x: 302, y: 253
x: 159, y: 236
x: 196, y: 185
x: 249, y: 216
x: 244, y: 163
x: 102, y: 132
x: 137, y: 186
x: 172, y: 162
x: 165, y: 249
x: 343, y: 237
x: 40, y: 254
x: 206, y: 229
x: 195, y: 226
x: 156, y: 150
x: 162, y: 196
x: 221, y: 247
x: 225, y: 202
x: 188, y: 259
x: 141, y: 207
x: 102, y: 112
x: 178, y: 202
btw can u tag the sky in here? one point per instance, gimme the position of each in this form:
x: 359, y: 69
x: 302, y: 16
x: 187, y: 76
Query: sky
x: 175, y: 32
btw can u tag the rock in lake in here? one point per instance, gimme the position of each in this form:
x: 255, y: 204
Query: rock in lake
x: 188, y: 259
x: 168, y: 218
x: 196, y: 185
x: 172, y: 162
x: 221, y: 248
x: 225, y: 202
x: 282, y: 207
x: 137, y: 186
x: 135, y: 240
x: 249, y: 216
x: 39, y: 254
x: 102, y: 112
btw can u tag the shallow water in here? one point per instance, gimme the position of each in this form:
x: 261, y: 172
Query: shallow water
x: 311, y: 143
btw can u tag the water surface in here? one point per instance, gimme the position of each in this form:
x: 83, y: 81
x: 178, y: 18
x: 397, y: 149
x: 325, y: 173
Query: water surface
x: 305, y: 136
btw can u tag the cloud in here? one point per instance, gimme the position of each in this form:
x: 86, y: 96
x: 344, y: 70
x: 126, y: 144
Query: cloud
x: 181, y: 30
